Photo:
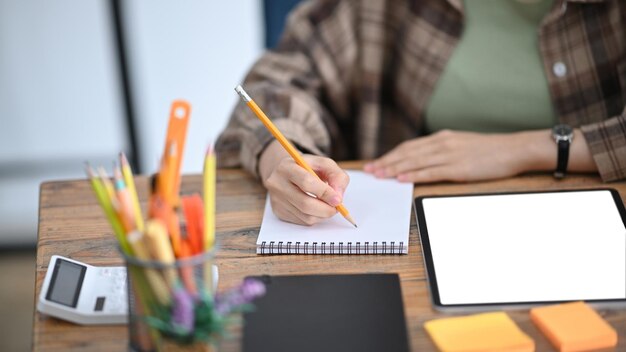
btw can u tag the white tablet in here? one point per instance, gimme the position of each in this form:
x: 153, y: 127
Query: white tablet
x: 489, y: 251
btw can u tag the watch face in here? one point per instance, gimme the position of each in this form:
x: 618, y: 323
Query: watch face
x: 562, y: 132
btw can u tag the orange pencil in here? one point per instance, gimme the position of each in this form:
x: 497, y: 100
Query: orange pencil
x: 193, y: 211
x: 167, y: 174
x: 160, y: 210
x: 285, y: 143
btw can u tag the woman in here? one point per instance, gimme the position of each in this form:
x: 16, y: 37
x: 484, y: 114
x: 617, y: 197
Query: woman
x: 434, y: 90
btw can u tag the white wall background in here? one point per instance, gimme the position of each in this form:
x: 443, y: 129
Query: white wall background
x: 196, y: 50
x: 59, y: 102
x: 57, y: 81
x: 60, y: 99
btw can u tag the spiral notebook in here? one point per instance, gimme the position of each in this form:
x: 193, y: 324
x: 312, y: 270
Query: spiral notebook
x: 380, y: 207
x: 328, y: 313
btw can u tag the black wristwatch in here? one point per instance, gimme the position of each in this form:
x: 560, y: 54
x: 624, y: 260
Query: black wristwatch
x: 563, y: 136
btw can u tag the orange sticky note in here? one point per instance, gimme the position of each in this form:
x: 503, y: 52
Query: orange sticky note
x: 479, y: 333
x: 574, y: 327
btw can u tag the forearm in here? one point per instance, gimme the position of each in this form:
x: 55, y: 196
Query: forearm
x: 538, y: 152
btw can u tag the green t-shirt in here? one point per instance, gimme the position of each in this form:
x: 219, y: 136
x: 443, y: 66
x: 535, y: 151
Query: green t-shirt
x: 494, y: 81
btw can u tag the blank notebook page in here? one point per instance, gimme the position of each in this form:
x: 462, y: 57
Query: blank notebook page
x: 381, y: 209
x: 527, y: 247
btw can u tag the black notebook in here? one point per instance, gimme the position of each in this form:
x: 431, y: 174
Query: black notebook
x: 328, y: 313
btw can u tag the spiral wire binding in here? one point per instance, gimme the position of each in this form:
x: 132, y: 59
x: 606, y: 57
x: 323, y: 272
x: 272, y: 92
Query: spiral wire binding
x: 289, y: 247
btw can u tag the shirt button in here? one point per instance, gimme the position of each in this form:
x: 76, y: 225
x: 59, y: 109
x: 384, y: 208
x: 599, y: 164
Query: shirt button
x: 559, y: 69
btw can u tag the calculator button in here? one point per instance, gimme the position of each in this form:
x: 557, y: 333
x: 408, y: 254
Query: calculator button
x: 99, y: 304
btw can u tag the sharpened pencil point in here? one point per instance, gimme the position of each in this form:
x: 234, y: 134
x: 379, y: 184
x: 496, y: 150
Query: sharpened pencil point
x: 123, y: 160
x: 350, y: 220
x: 89, y: 170
x: 210, y: 149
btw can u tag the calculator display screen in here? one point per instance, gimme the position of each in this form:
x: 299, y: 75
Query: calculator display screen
x: 66, y: 282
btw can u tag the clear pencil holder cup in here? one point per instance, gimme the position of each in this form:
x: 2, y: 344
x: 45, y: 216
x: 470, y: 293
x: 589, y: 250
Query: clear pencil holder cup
x: 170, y: 304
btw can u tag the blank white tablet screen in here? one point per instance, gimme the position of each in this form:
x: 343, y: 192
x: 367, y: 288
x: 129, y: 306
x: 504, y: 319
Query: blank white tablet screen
x: 527, y: 247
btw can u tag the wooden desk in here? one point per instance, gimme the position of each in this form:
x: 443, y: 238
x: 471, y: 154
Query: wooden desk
x: 71, y: 224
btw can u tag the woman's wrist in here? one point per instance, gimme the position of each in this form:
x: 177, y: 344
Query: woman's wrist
x: 537, y: 151
x: 269, y: 159
x: 580, y: 157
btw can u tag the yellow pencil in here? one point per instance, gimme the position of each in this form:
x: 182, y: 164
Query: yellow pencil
x: 125, y: 211
x: 106, y: 204
x: 108, y: 186
x: 209, y: 199
x: 130, y: 184
x: 285, y: 143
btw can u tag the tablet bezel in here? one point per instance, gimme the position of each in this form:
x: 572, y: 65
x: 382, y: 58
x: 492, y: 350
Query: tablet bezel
x: 471, y: 307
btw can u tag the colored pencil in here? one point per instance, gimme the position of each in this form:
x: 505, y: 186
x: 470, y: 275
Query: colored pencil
x: 106, y: 204
x: 125, y: 211
x: 194, y: 218
x: 108, y: 186
x: 130, y: 184
x: 208, y: 186
x: 159, y: 288
x: 160, y: 249
x: 166, y: 214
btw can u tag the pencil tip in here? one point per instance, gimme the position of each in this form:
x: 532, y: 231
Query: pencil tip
x: 117, y: 172
x: 123, y: 159
x: 89, y: 170
x: 350, y: 220
x: 209, y: 149
x: 356, y: 227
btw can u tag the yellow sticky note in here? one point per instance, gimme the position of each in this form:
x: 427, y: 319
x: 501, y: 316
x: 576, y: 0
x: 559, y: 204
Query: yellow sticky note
x: 574, y: 327
x: 479, y: 333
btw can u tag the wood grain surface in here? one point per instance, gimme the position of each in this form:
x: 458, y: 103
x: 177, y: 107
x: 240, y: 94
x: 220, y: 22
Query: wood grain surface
x: 71, y: 224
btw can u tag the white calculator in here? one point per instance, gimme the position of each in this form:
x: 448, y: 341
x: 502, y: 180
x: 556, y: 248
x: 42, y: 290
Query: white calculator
x: 84, y: 294
x: 87, y: 294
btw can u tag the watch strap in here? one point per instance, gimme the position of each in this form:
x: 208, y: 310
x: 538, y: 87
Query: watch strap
x: 562, y: 158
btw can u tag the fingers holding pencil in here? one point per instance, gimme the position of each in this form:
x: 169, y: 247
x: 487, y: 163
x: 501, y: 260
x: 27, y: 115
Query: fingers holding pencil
x: 284, y: 142
x: 301, y: 198
x: 288, y: 147
x: 328, y: 170
x: 307, y: 183
x: 288, y: 212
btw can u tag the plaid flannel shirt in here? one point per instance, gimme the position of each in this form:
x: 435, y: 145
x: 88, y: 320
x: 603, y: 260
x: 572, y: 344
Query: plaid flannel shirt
x: 351, y: 79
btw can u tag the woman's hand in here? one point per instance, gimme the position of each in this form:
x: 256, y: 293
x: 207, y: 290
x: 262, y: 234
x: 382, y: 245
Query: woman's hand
x: 288, y: 185
x: 467, y: 156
